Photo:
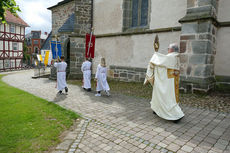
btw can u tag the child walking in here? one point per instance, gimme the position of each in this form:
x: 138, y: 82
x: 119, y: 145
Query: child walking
x: 101, y: 77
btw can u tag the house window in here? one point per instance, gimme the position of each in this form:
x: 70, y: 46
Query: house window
x: 12, y: 28
x: 15, y: 46
x: 36, y: 42
x: 136, y: 14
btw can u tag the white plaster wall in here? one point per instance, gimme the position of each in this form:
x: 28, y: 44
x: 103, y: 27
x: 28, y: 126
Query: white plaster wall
x: 18, y: 61
x: 12, y: 63
x: 7, y: 28
x: 222, y: 58
x: 22, y: 30
x: 108, y: 16
x: 131, y: 51
x: 167, y: 13
x: 1, y: 64
x: 20, y: 46
x: 1, y: 45
x: 1, y: 27
x: 17, y: 29
x: 223, y: 11
x: 6, y: 45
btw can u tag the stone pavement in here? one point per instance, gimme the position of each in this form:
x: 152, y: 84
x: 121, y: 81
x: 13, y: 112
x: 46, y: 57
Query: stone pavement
x: 126, y: 124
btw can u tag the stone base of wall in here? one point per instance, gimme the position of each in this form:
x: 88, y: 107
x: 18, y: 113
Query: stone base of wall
x: 127, y: 74
x: 193, y: 84
x: 223, y: 84
x: 76, y: 76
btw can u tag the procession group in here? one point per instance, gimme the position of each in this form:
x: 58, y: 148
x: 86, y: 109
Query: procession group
x: 162, y: 73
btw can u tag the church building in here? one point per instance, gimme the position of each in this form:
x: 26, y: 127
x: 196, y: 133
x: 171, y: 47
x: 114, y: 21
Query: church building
x: 125, y: 31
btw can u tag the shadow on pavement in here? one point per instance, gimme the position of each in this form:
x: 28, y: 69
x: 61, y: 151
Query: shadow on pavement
x: 60, y: 97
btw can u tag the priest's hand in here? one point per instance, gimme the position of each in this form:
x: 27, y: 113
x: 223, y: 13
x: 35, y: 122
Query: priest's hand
x: 176, y: 72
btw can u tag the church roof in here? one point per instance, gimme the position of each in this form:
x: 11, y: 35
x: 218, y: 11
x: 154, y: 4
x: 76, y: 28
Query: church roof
x: 68, y: 26
x: 59, y: 4
x: 10, y: 18
x: 46, y: 44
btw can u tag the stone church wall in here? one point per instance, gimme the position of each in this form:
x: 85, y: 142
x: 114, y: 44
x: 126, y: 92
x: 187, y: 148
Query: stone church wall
x: 60, y: 14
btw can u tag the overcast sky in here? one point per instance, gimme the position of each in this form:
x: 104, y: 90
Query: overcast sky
x: 35, y: 13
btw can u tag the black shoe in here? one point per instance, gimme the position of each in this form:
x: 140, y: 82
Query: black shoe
x: 176, y: 121
x: 154, y: 113
x: 66, y: 89
x: 89, y: 89
x: 60, y: 92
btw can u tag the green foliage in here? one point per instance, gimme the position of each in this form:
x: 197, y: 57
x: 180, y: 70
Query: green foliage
x: 26, y: 55
x: 8, y: 5
x: 29, y: 123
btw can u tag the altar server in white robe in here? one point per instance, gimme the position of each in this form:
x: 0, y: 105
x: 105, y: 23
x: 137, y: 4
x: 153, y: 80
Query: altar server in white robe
x: 61, y: 75
x: 86, y: 70
x: 101, y: 77
x: 163, y: 75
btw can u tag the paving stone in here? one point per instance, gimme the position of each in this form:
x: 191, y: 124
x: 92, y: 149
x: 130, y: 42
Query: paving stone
x: 148, y: 149
x: 107, y: 148
x: 64, y: 145
x: 103, y: 145
x: 142, y: 146
x: 58, y: 151
x: 187, y: 148
x: 115, y: 119
x: 162, y: 144
x: 173, y: 147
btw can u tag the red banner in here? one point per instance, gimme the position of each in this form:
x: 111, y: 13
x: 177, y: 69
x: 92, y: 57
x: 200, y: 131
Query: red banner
x: 89, y: 47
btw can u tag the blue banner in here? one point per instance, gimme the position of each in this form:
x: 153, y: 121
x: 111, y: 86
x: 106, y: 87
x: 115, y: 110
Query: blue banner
x: 56, y: 49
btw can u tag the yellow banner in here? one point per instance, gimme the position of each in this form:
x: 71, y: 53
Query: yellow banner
x: 40, y: 57
x: 46, y: 58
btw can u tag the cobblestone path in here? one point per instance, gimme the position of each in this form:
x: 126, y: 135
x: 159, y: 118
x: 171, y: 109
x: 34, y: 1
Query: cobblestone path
x: 126, y: 124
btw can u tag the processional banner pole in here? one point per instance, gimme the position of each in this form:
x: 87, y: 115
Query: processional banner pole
x: 90, y: 40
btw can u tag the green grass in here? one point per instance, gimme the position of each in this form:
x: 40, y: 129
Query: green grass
x: 135, y: 89
x: 28, y: 123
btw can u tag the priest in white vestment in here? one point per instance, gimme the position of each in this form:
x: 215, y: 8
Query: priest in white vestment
x: 101, y: 77
x: 61, y: 75
x: 163, y: 75
x: 86, y: 70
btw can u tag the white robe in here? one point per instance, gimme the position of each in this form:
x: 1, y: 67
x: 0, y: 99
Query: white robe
x: 61, y: 75
x: 101, y: 76
x: 86, y: 69
x: 163, y: 101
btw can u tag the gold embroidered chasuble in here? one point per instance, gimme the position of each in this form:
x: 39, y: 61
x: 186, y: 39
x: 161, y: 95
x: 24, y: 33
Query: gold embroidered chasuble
x: 163, y: 75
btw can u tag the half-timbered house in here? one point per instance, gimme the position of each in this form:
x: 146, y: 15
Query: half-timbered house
x: 12, y: 37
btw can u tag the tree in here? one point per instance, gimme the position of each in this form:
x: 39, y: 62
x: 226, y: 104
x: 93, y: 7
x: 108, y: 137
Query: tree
x: 9, y: 5
x: 26, y: 54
